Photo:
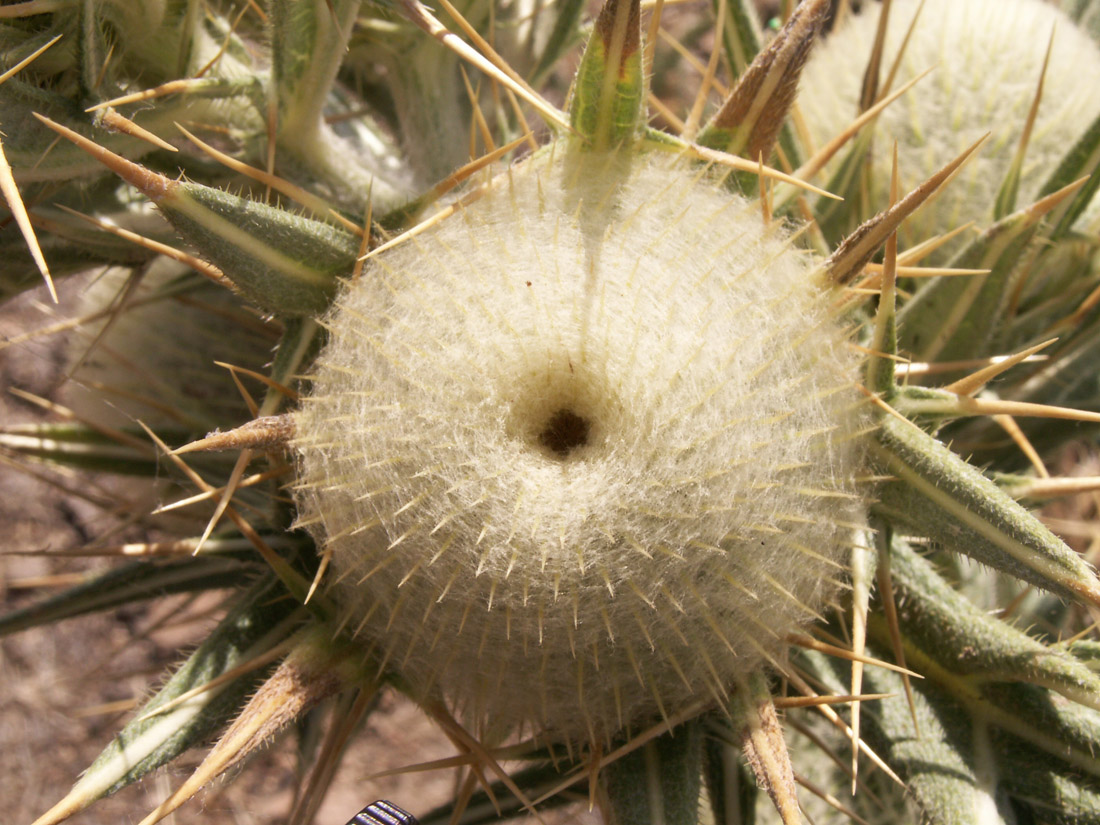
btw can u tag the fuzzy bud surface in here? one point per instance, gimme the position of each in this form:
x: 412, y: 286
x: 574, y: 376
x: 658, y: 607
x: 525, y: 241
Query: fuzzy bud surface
x: 986, y: 58
x: 585, y: 450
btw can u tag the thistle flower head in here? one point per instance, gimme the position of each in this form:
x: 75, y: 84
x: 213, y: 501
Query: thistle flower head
x: 562, y: 433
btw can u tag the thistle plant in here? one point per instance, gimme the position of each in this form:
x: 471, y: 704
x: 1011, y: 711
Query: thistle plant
x: 645, y: 460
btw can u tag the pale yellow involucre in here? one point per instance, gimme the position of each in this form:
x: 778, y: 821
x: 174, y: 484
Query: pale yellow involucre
x: 585, y: 450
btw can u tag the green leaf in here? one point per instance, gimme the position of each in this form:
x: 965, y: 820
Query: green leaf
x: 257, y: 623
x: 839, y: 218
x: 1005, y: 202
x: 1086, y: 651
x: 976, y: 714
x: 77, y: 445
x: 69, y: 244
x: 939, y: 495
x: 946, y: 765
x: 741, y: 36
x: 956, y: 317
x: 606, y: 109
x: 133, y: 582
x: 1081, y: 160
x: 26, y: 142
x: 284, y: 263
x: 731, y: 787
x: 984, y: 696
x: 302, y: 339
x: 660, y: 781
x: 308, y: 44
x: 970, y: 643
x: 1057, y: 794
x: 565, y: 33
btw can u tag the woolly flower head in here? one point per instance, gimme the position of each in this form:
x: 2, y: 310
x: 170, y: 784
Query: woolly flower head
x: 584, y: 451
x: 987, y: 58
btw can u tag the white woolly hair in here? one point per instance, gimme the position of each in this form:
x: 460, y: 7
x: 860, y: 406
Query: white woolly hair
x: 988, y: 58
x: 584, y: 451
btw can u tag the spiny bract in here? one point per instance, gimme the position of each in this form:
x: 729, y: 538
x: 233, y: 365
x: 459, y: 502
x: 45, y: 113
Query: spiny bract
x: 584, y: 451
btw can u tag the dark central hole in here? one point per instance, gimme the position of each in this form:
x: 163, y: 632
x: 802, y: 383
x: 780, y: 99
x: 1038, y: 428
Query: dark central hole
x: 564, y: 432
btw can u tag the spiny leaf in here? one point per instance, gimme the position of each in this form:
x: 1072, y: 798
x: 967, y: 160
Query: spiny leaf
x: 749, y: 121
x: 315, y: 669
x: 1011, y: 688
x: 26, y: 143
x: 1082, y: 160
x: 741, y: 40
x: 970, y: 643
x: 1005, y: 202
x: 606, y: 109
x: 975, y: 381
x: 134, y: 582
x: 260, y: 433
x: 259, y: 621
x: 839, y: 218
x: 740, y: 34
x: 974, y: 711
x: 283, y: 262
x: 955, y: 318
x: 858, y: 248
x: 938, y: 495
x: 938, y: 765
x: 1057, y: 794
x: 884, y: 340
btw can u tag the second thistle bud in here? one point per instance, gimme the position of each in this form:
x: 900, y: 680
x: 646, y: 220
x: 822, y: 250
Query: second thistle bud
x: 987, y: 61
